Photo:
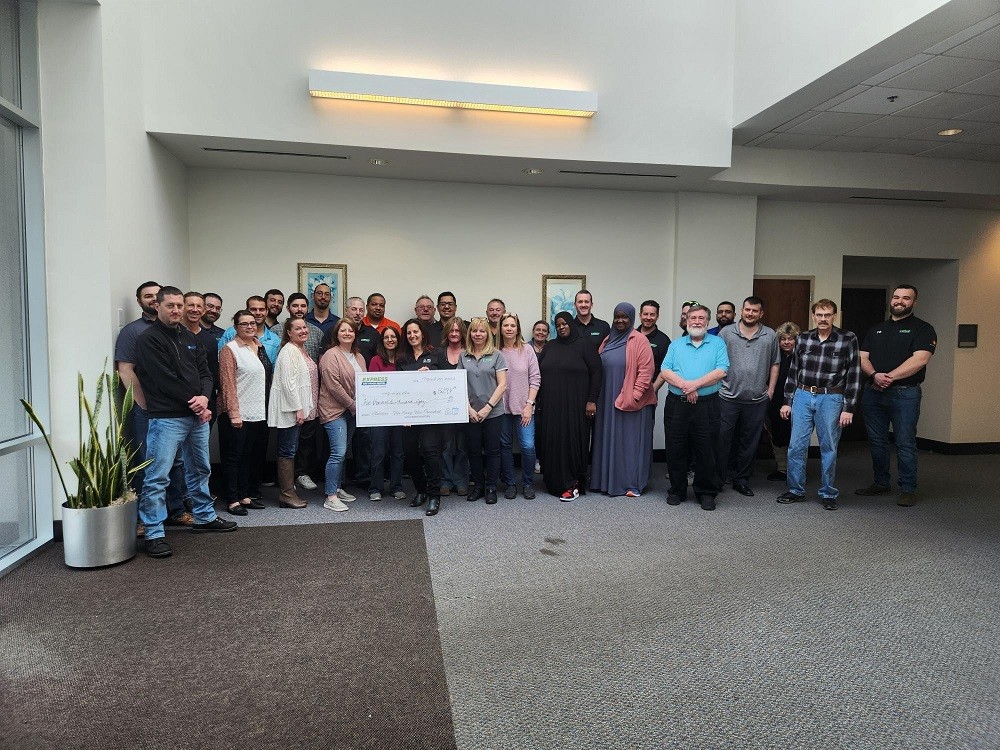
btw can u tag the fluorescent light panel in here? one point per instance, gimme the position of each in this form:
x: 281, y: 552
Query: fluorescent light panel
x: 428, y: 92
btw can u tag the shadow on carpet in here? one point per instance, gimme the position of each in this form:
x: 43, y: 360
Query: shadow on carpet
x: 276, y: 637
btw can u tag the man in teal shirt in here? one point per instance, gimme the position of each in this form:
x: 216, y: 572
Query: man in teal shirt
x: 693, y: 368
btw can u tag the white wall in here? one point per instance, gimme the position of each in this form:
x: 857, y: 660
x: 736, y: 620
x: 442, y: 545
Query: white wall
x: 239, y: 68
x: 811, y: 239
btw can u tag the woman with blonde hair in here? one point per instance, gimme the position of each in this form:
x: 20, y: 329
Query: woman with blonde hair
x: 487, y: 379
x: 778, y: 429
x: 523, y: 381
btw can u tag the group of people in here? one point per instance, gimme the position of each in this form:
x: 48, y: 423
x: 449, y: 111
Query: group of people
x: 580, y: 407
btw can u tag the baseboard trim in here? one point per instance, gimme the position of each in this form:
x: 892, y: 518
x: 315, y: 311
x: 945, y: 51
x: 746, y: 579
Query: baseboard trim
x: 957, y: 449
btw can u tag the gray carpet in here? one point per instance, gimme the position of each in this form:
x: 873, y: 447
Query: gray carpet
x: 294, y: 637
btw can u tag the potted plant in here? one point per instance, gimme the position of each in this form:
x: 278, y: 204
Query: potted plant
x: 99, y: 520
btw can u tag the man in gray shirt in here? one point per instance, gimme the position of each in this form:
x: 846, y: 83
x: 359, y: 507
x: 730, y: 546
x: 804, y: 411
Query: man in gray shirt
x: 754, y: 358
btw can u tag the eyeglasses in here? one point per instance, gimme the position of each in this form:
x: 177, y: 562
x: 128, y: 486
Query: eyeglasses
x: 247, y: 324
x: 446, y: 304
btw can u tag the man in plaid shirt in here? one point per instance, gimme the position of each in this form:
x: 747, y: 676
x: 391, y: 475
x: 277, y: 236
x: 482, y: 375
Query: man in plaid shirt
x: 821, y: 393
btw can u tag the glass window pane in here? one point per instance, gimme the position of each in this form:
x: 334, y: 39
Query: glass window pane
x: 13, y: 421
x: 17, y: 512
x: 10, y: 88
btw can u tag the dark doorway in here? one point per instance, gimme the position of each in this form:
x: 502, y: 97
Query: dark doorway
x: 861, y: 308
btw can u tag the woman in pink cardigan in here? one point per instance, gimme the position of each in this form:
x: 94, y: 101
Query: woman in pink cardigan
x: 623, y: 426
x: 337, y: 368
x: 523, y: 380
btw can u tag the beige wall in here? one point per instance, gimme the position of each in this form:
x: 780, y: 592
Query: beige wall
x: 811, y: 239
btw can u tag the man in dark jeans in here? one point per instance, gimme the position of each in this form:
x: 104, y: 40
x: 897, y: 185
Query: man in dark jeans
x: 177, y: 384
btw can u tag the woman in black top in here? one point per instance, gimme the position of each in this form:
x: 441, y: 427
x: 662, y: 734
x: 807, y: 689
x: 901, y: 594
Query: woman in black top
x: 780, y: 430
x: 421, y: 443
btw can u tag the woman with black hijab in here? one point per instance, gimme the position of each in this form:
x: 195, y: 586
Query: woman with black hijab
x: 623, y: 426
x: 567, y: 402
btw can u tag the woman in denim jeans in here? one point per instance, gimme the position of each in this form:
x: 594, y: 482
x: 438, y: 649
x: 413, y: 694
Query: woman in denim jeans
x: 337, y: 407
x: 386, y: 442
x: 523, y: 381
x: 294, y: 397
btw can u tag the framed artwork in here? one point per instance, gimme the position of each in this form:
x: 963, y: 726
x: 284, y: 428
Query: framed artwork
x: 332, y: 274
x: 558, y: 294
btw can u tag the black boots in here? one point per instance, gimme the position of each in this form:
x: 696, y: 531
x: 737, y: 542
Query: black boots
x: 433, y: 505
x: 419, y: 499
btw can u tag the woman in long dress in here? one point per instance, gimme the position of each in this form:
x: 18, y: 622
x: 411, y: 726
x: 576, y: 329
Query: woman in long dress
x: 623, y: 427
x: 567, y: 400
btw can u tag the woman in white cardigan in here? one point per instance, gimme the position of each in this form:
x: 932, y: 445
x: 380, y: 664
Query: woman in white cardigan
x: 294, y: 396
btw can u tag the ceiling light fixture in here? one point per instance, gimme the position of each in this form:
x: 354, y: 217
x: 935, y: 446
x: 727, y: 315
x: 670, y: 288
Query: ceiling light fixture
x: 951, y: 131
x: 428, y: 92
x: 533, y: 170
x: 378, y: 162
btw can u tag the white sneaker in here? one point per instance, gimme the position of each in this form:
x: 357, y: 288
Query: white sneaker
x: 345, y: 496
x: 374, y: 496
x: 333, y: 503
x: 538, y: 467
x: 305, y: 482
x: 399, y: 495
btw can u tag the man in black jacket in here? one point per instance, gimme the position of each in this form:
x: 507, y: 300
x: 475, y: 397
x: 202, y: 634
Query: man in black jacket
x: 177, y: 383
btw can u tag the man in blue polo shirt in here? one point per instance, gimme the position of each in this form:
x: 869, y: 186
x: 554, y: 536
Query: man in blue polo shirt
x: 693, y: 368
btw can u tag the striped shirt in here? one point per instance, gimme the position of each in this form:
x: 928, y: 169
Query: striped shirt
x: 833, y: 363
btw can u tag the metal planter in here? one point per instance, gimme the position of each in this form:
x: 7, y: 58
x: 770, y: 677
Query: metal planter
x: 94, y: 537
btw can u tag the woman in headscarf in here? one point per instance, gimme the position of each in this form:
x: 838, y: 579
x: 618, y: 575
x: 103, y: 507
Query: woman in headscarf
x: 567, y: 401
x: 623, y: 427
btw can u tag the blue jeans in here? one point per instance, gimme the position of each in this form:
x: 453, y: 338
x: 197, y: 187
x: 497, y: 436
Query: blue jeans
x: 454, y: 458
x: 176, y: 489
x: 901, y: 407
x: 339, y: 431
x: 288, y: 441
x: 165, y: 441
x: 526, y: 440
x: 822, y: 412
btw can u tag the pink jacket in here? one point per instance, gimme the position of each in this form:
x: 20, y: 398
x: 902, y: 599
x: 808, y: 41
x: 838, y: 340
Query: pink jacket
x: 336, y: 384
x: 637, y: 390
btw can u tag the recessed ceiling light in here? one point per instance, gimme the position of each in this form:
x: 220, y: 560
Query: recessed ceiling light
x: 533, y: 170
x: 951, y: 131
x: 378, y: 162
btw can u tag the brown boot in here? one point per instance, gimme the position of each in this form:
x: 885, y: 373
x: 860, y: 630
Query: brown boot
x: 286, y: 480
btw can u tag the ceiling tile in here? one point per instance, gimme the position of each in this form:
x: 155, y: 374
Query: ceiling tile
x: 989, y: 85
x: 948, y: 105
x: 902, y: 146
x: 843, y: 96
x: 986, y: 46
x: 876, y: 100
x: 987, y: 136
x: 759, y: 139
x: 986, y: 114
x: 847, y: 143
x: 832, y: 123
x: 965, y: 151
x: 965, y: 35
x: 794, y: 121
x: 931, y: 133
x: 942, y: 74
x: 896, y: 69
x: 894, y: 127
x: 795, y: 140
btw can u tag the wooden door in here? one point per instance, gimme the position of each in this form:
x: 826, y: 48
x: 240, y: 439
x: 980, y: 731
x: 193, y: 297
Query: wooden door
x: 785, y: 299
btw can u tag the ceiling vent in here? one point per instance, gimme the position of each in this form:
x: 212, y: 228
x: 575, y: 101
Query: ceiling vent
x: 616, y: 174
x: 883, y: 199
x: 271, y: 153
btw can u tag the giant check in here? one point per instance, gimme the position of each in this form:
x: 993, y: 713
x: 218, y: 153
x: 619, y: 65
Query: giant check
x: 405, y: 398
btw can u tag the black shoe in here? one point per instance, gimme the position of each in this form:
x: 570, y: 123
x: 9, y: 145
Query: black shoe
x: 790, y: 497
x: 158, y: 548
x: 419, y: 499
x: 872, y: 490
x: 529, y: 492
x: 255, y: 503
x: 743, y: 489
x: 707, y: 503
x: 236, y: 509
x: 491, y: 496
x: 829, y: 504
x: 511, y: 492
x: 433, y: 505
x: 475, y: 492
x: 674, y: 499
x: 216, y: 524
x: 777, y: 476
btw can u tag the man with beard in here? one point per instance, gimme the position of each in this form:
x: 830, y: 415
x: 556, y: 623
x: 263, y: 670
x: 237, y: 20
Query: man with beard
x: 298, y: 307
x: 821, y: 392
x: 649, y: 314
x: 213, y: 311
x: 496, y: 308
x: 894, y: 357
x: 447, y: 307
x: 376, y: 314
x: 693, y: 368
x: 257, y: 306
x: 725, y: 314
x: 320, y: 316
x: 682, y: 323
x: 274, y: 301
x: 592, y: 329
